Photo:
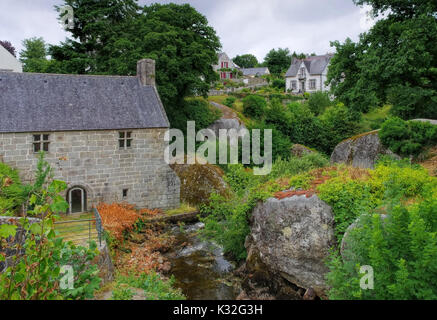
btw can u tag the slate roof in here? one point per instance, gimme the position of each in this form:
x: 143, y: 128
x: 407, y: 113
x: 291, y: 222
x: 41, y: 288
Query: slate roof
x: 255, y: 71
x: 315, y: 65
x: 31, y: 102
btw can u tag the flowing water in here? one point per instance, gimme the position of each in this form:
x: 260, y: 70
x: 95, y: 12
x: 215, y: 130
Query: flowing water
x: 199, y: 267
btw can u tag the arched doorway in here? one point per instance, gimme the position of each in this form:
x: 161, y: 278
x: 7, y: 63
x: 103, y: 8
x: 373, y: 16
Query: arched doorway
x: 76, y: 198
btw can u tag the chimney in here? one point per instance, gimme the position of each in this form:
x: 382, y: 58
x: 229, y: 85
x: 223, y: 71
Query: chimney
x: 146, y: 72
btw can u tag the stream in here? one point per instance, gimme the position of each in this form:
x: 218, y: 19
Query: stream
x: 200, y: 269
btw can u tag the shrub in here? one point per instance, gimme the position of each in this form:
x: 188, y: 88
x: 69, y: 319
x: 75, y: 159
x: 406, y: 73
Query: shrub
x: 279, y: 84
x: 402, y: 250
x: 254, y: 106
x: 318, y: 102
x: 279, y: 116
x: 338, y: 124
x: 407, y: 138
x: 194, y: 109
x: 35, y: 269
x: 229, y: 101
x: 12, y: 192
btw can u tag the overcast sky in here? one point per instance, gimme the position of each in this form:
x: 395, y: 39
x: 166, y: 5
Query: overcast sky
x: 244, y: 26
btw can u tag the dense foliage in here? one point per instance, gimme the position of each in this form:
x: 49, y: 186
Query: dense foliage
x: 400, y: 246
x: 34, y: 270
x: 246, y: 61
x: 395, y: 62
x: 254, y: 106
x: 408, y: 138
x: 194, y: 109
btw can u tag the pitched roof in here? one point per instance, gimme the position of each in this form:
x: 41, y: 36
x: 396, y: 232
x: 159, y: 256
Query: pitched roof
x: 255, y: 71
x: 8, y: 62
x: 315, y: 65
x: 224, y: 56
x: 31, y: 102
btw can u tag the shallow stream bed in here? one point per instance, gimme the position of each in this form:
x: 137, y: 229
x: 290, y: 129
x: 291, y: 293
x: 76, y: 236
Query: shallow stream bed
x: 200, y: 268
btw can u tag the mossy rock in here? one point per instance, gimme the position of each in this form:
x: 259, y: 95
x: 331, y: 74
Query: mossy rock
x: 199, y: 181
x: 298, y: 150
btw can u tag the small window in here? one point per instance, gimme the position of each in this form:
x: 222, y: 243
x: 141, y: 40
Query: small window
x: 294, y: 85
x: 41, y: 142
x: 313, y: 84
x: 125, y: 192
x: 125, y: 140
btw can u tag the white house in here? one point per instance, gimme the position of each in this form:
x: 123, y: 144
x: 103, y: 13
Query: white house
x: 308, y: 75
x: 225, y: 67
x: 8, y: 62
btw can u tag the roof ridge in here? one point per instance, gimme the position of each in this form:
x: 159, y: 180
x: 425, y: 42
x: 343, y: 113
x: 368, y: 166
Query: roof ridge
x: 67, y: 74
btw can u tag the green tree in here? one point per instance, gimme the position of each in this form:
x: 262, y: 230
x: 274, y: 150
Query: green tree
x: 278, y: 61
x: 34, y: 55
x: 395, y: 62
x: 246, y: 61
x: 176, y: 36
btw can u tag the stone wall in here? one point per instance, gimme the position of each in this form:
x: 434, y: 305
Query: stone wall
x: 93, y: 160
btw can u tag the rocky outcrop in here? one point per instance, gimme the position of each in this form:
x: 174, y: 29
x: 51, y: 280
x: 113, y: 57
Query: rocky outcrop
x: 361, y: 151
x: 291, y: 238
x: 199, y: 181
x: 228, y: 121
x: 298, y: 150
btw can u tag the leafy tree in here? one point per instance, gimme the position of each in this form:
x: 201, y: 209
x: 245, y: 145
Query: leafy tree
x: 8, y: 46
x: 318, y: 102
x: 278, y: 61
x: 395, y: 62
x: 254, y: 106
x: 111, y: 36
x: 34, y: 55
x: 246, y: 61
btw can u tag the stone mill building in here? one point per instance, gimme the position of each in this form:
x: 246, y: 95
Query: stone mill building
x: 103, y: 135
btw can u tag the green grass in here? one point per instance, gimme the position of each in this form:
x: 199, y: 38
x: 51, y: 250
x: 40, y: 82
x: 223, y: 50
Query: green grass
x: 76, y: 230
x: 374, y: 119
x: 184, y: 208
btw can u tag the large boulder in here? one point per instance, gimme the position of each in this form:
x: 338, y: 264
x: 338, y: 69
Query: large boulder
x: 362, y: 151
x: 199, y: 181
x: 228, y: 121
x: 292, y: 238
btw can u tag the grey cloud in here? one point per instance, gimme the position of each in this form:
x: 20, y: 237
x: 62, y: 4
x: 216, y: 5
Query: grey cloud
x: 244, y: 26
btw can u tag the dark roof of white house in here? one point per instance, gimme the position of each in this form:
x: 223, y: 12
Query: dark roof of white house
x: 31, y: 102
x: 315, y: 65
x: 255, y: 71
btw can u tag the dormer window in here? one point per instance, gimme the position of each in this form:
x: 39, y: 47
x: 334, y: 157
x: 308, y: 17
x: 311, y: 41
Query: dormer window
x: 302, y: 71
x: 41, y: 142
x: 125, y: 140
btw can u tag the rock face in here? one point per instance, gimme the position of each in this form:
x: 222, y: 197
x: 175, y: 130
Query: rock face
x: 226, y: 124
x: 361, y: 151
x: 292, y: 238
x: 199, y: 181
x: 228, y: 121
x: 299, y: 150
